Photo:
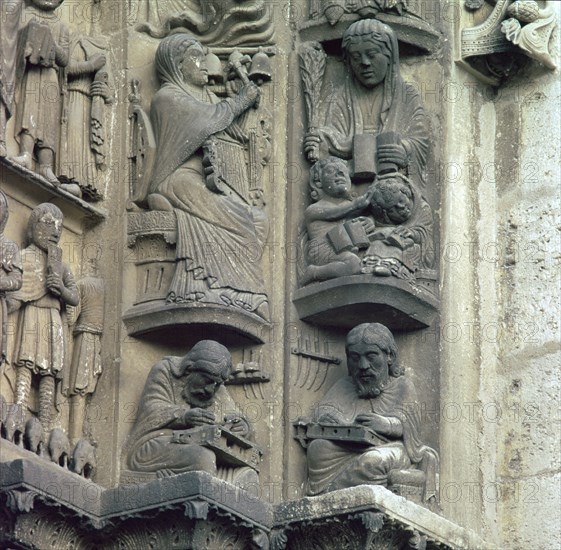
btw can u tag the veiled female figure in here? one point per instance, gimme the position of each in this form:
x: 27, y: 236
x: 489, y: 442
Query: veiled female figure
x: 373, y: 100
x: 215, y: 230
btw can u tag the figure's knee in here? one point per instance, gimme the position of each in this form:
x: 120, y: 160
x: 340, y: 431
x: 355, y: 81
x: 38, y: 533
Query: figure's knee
x: 318, y: 448
x: 378, y: 461
x: 203, y: 459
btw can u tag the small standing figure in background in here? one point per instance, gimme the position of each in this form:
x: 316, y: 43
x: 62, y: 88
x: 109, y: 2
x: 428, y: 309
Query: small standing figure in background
x: 88, y: 92
x: 80, y: 380
x: 44, y: 44
x: 48, y: 288
x: 10, y: 21
x: 335, y: 231
x: 10, y: 273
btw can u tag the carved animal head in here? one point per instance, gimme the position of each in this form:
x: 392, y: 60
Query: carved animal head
x: 59, y: 447
x: 15, y: 424
x: 83, y: 459
x: 33, y: 435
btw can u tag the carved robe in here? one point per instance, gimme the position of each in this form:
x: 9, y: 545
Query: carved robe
x: 10, y: 21
x: 42, y: 331
x: 40, y: 97
x: 10, y: 280
x: 214, y: 231
x: 161, y: 409
x: 334, y: 466
x: 82, y: 376
x: 83, y: 153
x: 391, y: 106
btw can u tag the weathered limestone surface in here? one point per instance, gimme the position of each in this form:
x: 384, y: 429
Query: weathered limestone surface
x: 477, y: 332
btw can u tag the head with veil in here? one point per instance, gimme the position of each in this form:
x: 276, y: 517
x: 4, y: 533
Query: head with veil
x: 371, y: 52
x: 181, y: 60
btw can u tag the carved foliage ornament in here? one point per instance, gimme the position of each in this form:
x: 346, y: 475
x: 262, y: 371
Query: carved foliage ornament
x: 519, y: 26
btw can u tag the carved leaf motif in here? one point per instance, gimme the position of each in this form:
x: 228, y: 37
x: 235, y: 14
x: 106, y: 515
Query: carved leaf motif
x: 312, y: 69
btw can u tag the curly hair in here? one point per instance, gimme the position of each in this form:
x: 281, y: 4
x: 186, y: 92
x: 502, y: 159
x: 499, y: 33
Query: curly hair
x: 316, y: 172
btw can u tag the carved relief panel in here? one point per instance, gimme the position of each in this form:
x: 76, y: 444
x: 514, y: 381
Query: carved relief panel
x: 56, y: 89
x: 369, y: 141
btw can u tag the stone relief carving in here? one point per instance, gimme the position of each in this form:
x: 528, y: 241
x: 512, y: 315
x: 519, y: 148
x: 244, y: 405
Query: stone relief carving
x: 188, y: 421
x: 57, y: 87
x: 10, y: 21
x: 328, y: 19
x: 47, y: 290
x: 372, y: 130
x: 43, y: 54
x: 216, y: 23
x: 367, y: 428
x: 336, y: 229
x: 374, y: 100
x: 530, y: 29
x: 198, y: 166
x: 10, y: 275
x: 88, y: 92
x: 403, y: 242
x: 333, y: 10
x: 490, y: 49
x: 80, y: 379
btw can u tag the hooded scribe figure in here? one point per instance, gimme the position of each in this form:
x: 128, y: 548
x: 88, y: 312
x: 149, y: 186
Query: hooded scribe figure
x: 182, y: 393
x: 210, y: 225
x: 374, y: 99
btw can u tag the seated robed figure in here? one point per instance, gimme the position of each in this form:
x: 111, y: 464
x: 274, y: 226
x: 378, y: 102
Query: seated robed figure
x: 378, y: 396
x: 182, y: 394
x: 215, y: 223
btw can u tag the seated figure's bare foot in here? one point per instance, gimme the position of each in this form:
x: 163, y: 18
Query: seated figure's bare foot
x: 3, y: 150
x: 24, y: 160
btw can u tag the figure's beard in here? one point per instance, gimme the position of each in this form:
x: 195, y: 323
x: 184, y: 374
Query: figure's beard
x: 370, y: 389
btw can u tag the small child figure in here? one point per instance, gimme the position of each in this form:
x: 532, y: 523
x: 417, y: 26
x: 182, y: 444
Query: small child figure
x: 403, y: 240
x: 48, y: 288
x: 335, y: 231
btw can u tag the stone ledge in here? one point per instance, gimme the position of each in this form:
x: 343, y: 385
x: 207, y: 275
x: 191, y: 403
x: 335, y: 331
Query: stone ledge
x: 346, y: 301
x: 37, y: 491
x: 85, y: 209
x: 57, y: 487
x: 235, y: 325
x: 338, y: 505
x: 410, y: 30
